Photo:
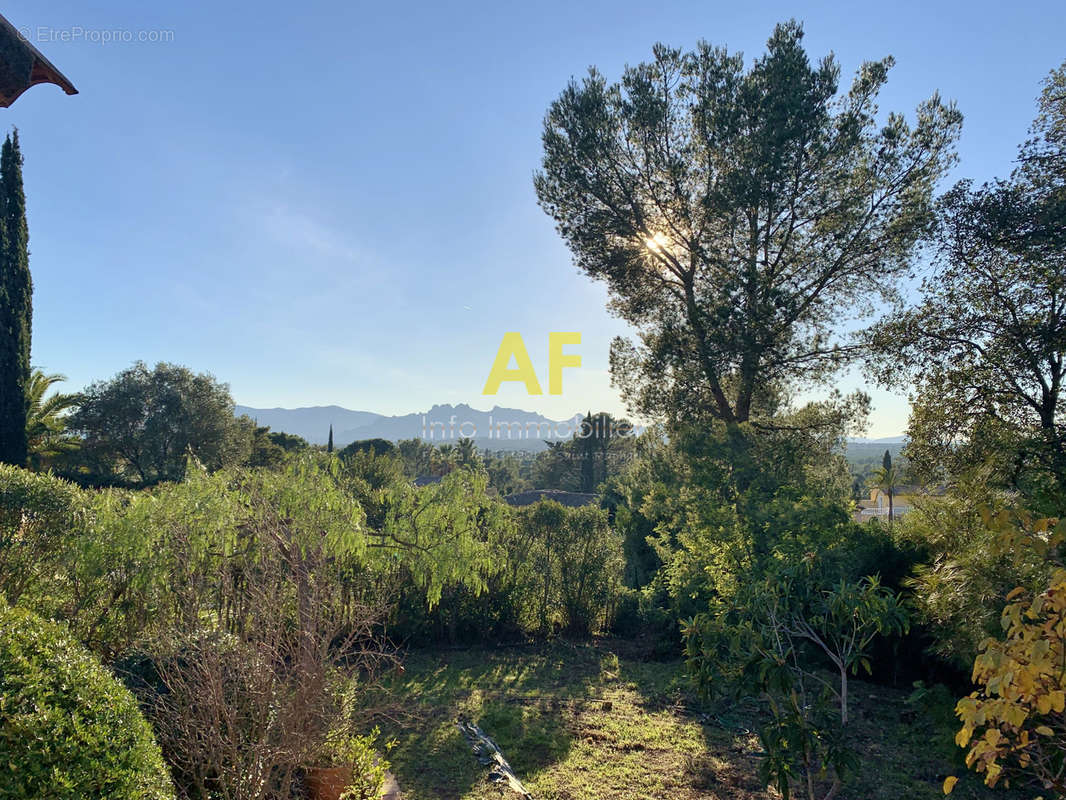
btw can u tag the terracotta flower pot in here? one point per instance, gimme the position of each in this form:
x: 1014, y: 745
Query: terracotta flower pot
x: 327, y: 783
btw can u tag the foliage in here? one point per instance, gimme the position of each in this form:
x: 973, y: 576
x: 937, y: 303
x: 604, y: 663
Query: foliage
x: 46, y: 427
x: 574, y: 561
x: 144, y: 562
x: 887, y: 478
x: 548, y: 569
x: 39, y: 516
x: 143, y: 424
x: 345, y: 746
x: 246, y: 692
x: 957, y: 589
x: 16, y: 312
x: 375, y: 446
x: 728, y: 502
x: 508, y: 473
x: 438, y: 535
x: 467, y: 455
x: 1014, y: 725
x: 68, y: 729
x: 984, y: 347
x: 628, y: 497
x: 417, y: 456
x: 119, y: 566
x: 599, y: 449
x: 774, y: 640
x: 258, y: 446
x: 737, y: 216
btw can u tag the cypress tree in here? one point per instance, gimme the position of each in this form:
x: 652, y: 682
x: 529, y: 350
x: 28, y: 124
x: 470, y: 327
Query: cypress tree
x: 329, y: 444
x: 16, y: 311
x: 587, y: 450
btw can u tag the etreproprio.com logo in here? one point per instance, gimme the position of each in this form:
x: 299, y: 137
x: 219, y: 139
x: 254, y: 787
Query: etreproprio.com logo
x: 44, y: 34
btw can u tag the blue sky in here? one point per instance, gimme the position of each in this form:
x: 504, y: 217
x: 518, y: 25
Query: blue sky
x: 331, y: 202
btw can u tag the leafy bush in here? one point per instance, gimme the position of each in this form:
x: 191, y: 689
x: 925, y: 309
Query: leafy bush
x: 568, y: 566
x: 552, y: 569
x: 775, y: 639
x: 345, y: 746
x: 68, y: 728
x: 37, y: 514
x: 1014, y: 725
x: 957, y: 592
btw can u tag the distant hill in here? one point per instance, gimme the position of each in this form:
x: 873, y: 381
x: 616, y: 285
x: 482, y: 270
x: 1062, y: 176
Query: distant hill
x: 448, y: 423
x: 860, y: 451
x: 310, y: 423
x: 496, y: 429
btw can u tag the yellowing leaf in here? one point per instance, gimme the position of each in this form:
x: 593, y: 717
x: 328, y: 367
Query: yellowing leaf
x: 949, y: 783
x: 1044, y: 730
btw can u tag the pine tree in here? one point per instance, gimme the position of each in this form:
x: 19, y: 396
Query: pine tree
x: 329, y: 444
x: 16, y: 291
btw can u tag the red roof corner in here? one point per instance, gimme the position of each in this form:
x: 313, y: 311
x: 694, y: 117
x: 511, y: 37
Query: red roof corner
x: 22, y: 65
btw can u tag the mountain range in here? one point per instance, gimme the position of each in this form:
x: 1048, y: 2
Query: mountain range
x: 496, y: 429
x: 448, y: 423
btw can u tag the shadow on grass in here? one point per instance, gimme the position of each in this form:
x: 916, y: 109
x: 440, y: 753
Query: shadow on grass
x: 514, y: 695
x: 595, y: 721
x: 538, y: 704
x: 530, y: 737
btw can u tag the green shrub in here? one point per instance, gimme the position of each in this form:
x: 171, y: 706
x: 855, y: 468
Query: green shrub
x: 957, y: 593
x: 793, y: 640
x: 37, y: 514
x: 68, y: 729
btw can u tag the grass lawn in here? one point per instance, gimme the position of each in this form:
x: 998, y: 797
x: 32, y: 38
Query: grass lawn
x: 597, y: 722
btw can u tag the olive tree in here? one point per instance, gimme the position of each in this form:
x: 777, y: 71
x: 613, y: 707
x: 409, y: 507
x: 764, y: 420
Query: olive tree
x: 144, y: 423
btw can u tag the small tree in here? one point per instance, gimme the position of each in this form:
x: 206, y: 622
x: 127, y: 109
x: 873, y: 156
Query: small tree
x: 886, y: 478
x: 244, y: 703
x: 46, y: 425
x: 775, y: 640
x: 590, y: 569
x: 467, y: 455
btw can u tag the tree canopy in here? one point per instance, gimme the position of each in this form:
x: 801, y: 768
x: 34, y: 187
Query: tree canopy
x: 738, y: 215
x: 985, y: 346
x: 144, y: 422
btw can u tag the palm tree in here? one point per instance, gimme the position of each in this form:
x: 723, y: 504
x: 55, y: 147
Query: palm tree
x: 443, y: 459
x: 466, y: 454
x: 887, y: 478
x: 46, y: 426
